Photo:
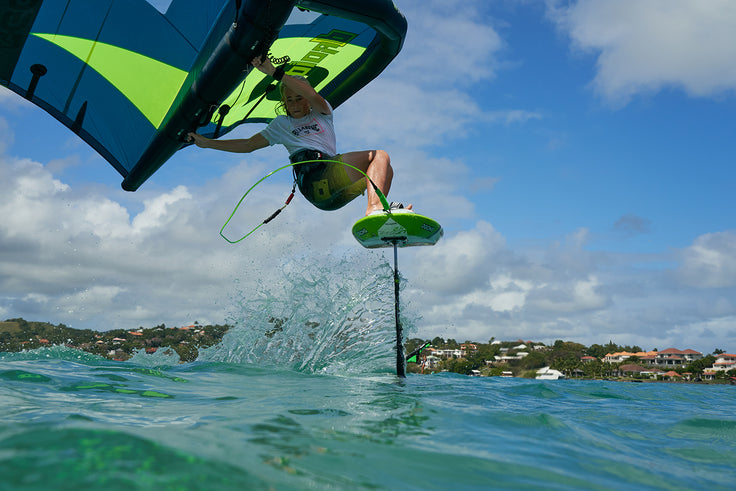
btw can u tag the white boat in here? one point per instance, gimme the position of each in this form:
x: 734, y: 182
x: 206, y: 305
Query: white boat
x: 546, y: 373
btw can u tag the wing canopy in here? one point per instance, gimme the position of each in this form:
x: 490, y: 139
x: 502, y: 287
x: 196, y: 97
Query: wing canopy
x: 132, y: 81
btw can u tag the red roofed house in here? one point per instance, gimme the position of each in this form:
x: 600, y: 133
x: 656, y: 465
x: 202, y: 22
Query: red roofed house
x: 675, y: 357
x: 724, y: 362
x: 668, y: 358
x: 672, y: 375
x: 625, y: 355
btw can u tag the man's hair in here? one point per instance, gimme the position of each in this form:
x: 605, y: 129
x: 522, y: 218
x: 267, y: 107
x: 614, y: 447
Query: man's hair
x: 281, y: 106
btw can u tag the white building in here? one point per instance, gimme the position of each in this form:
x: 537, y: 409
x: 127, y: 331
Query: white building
x: 724, y: 362
x: 507, y: 358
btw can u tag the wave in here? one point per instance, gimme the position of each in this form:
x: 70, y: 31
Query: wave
x: 331, y: 316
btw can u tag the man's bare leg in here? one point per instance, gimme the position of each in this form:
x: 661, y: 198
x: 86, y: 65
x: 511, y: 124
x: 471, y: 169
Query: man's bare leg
x: 377, y: 165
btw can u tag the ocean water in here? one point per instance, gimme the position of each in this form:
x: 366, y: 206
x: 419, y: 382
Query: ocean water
x: 72, y: 421
x: 300, y: 395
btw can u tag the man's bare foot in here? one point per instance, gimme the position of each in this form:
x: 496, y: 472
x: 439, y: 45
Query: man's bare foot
x: 373, y: 209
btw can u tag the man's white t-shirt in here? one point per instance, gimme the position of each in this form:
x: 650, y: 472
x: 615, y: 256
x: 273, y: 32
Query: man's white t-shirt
x: 315, y: 131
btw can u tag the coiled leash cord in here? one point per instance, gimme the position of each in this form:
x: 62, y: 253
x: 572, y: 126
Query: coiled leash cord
x: 381, y: 197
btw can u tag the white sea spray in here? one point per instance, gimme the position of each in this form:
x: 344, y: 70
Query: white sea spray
x: 317, y: 314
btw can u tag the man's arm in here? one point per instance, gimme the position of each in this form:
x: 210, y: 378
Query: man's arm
x: 242, y: 145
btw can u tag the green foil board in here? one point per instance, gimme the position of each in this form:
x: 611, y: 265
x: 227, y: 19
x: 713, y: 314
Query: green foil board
x: 401, y: 227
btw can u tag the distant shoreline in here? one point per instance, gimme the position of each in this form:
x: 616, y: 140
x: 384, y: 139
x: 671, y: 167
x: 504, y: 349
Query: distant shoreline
x: 17, y: 335
x: 570, y: 360
x: 493, y: 359
x: 605, y: 379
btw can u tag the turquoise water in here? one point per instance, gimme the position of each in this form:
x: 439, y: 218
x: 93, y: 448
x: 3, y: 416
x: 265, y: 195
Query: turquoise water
x: 300, y: 395
x: 74, y: 421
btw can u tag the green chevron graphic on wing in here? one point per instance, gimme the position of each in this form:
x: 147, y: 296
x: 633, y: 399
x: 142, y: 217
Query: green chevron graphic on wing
x: 125, y: 70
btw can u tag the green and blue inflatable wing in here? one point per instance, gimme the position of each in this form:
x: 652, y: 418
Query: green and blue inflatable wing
x: 133, y: 77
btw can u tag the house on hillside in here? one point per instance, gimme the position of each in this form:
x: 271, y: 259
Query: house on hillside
x: 625, y: 355
x: 465, y: 349
x: 632, y: 370
x: 508, y: 358
x: 431, y: 361
x: 668, y: 358
x: 448, y: 353
x: 675, y: 357
x: 724, y: 362
x: 470, y: 348
x: 671, y: 375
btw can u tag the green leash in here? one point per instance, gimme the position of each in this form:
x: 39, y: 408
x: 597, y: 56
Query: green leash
x: 381, y: 197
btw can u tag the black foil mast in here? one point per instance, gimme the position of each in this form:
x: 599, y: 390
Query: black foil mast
x: 400, y: 360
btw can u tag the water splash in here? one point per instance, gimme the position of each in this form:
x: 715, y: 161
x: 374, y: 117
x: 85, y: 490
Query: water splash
x: 316, y: 315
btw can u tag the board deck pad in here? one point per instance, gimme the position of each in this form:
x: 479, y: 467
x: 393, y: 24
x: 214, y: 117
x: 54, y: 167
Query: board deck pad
x: 401, y: 227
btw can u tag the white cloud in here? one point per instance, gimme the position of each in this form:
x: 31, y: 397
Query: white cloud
x: 421, y: 99
x: 644, y: 47
x: 158, y: 211
x: 447, y: 43
x: 576, y: 296
x: 412, y: 117
x: 83, y: 257
x: 470, y: 286
x: 710, y: 262
x: 97, y: 300
x: 461, y: 263
x: 436, y: 185
x: 86, y: 260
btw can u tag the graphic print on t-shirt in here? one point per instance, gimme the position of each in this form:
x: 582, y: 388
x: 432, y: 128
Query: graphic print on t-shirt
x: 311, y: 128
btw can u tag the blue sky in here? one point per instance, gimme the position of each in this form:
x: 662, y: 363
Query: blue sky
x: 578, y: 154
